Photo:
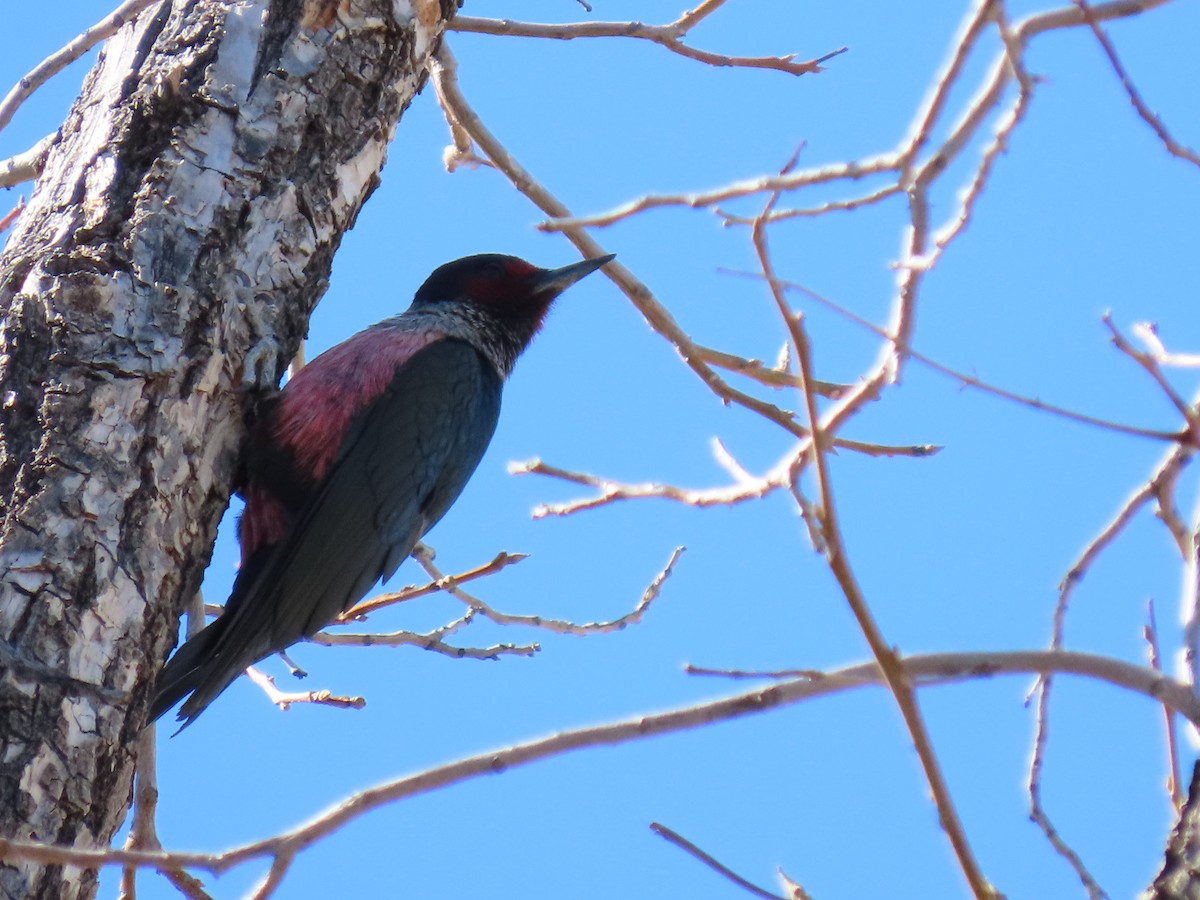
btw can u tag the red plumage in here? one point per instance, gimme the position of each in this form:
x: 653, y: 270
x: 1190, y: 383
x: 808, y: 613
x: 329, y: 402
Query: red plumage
x: 306, y: 424
x: 311, y: 420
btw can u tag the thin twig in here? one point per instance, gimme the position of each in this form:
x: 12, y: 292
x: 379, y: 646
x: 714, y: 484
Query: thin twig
x: 1151, y: 118
x: 928, y: 669
x: 431, y: 641
x: 444, y: 70
x: 1167, y: 471
x: 764, y: 374
x: 1173, y: 782
x: 502, y: 560
x: 922, y: 126
x: 742, y: 674
x: 1147, y: 332
x: 461, y: 150
x: 747, y: 188
x: 668, y: 36
x: 963, y: 378
x: 55, y: 63
x: 609, y: 491
x: 688, y: 847
x: 1033, y: 785
x: 838, y: 560
x: 143, y: 834
x: 780, y: 215
x: 558, y: 626
x: 1004, y: 128
x: 1190, y: 612
x: 1148, y: 362
x: 284, y: 699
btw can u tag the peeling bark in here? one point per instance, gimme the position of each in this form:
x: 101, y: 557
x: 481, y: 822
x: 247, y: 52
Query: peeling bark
x: 180, y: 236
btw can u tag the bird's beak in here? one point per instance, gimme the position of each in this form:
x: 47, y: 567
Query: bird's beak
x: 555, y: 281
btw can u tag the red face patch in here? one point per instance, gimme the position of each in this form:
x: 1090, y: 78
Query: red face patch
x: 501, y: 282
x: 518, y: 268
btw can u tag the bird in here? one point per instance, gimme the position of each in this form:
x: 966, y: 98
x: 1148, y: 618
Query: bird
x: 357, y: 456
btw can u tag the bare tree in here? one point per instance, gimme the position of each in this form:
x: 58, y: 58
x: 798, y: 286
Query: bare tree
x: 180, y: 234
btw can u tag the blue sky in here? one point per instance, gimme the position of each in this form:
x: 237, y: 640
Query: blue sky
x: 963, y: 551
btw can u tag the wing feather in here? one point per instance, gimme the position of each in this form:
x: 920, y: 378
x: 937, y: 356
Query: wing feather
x: 403, y: 462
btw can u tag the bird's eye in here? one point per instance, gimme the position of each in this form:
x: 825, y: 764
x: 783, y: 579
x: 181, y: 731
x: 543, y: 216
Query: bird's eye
x: 494, y: 270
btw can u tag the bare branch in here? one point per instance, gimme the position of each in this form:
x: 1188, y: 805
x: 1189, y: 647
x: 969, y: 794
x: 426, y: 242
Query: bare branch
x: 741, y: 674
x: 1072, y: 16
x: 284, y: 700
x: 26, y: 166
x: 1158, y: 485
x: 1151, y: 118
x: 1004, y: 128
x: 1191, y: 605
x: 1147, y: 332
x: 143, y: 834
x: 921, y: 129
x: 963, y: 378
x: 559, y: 626
x: 928, y: 669
x: 669, y: 36
x: 1154, y: 657
x: 443, y: 69
x: 612, y: 491
x: 848, y: 205
x: 461, y: 151
x: 1166, y: 473
x: 837, y: 558
x: 769, y: 375
x: 688, y: 847
x: 1037, y: 810
x: 1148, y: 362
x: 747, y: 188
x: 52, y: 65
x: 502, y: 560
x: 430, y: 640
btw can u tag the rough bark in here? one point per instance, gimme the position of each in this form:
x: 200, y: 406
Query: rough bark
x: 1179, y: 878
x: 172, y: 252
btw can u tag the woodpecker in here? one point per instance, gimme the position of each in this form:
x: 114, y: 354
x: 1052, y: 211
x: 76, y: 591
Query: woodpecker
x: 358, y: 456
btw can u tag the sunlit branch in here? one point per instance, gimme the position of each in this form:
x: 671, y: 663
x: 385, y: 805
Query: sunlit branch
x: 284, y: 699
x: 924, y: 670
x: 558, y: 626
x: 501, y: 561
x: 669, y: 36
x: 444, y: 71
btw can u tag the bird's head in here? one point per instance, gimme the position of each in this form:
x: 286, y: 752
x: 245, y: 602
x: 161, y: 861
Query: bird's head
x: 507, y: 289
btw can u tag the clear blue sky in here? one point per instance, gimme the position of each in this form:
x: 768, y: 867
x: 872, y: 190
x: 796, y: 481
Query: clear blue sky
x: 1086, y: 212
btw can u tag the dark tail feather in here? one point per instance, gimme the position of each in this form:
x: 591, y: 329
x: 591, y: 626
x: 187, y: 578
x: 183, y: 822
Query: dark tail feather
x: 186, y: 671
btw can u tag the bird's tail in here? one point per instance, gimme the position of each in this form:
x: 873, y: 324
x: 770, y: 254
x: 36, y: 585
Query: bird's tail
x: 191, y: 668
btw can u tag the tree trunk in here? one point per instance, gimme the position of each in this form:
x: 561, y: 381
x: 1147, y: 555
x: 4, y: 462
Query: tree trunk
x: 172, y: 252
x: 1179, y: 878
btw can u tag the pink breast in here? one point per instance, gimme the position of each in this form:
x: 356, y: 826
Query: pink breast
x: 318, y: 405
